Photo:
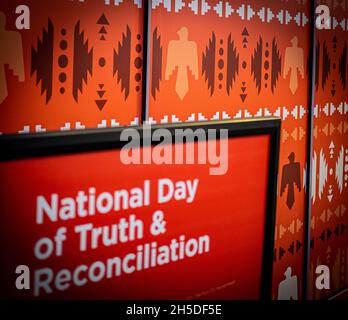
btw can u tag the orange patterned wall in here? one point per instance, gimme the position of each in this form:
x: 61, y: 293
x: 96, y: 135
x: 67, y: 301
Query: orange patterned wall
x: 243, y: 59
x: 80, y: 66
x: 329, y: 223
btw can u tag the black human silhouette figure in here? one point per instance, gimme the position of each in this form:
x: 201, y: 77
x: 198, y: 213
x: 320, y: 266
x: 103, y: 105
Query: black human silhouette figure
x: 291, y: 176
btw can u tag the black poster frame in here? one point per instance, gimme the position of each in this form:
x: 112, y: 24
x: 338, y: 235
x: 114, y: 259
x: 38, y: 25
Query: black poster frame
x: 17, y: 147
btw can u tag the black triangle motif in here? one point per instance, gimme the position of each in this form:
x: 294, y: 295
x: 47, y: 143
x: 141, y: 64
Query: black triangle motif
x: 103, y: 30
x: 100, y: 104
x: 245, y: 32
x: 328, y: 234
x: 291, y: 248
x: 102, y: 20
x: 337, y: 230
x: 298, y: 246
x: 312, y: 244
x: 281, y: 252
x: 101, y: 94
x: 342, y: 228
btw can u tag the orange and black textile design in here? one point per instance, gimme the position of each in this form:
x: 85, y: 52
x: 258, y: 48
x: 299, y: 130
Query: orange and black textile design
x: 329, y: 222
x: 78, y: 66
x: 241, y: 59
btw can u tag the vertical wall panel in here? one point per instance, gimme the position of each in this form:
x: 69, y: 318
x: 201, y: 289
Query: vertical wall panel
x: 241, y: 59
x: 329, y: 223
x: 79, y: 65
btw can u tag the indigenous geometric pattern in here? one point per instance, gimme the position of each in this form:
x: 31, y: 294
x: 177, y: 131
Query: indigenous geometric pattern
x: 329, y: 223
x: 71, y: 71
x: 209, y: 60
x: 244, y: 59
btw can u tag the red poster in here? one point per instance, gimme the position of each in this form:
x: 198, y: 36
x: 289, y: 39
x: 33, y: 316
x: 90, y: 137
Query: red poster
x: 135, y: 232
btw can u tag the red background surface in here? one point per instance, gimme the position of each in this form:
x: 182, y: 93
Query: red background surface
x: 229, y: 208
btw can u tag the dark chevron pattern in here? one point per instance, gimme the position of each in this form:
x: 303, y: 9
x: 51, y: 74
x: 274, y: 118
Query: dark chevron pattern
x: 208, y: 64
x: 83, y: 61
x: 157, y: 51
x: 276, y: 65
x: 232, y: 64
x: 256, y: 65
x: 343, y: 66
x: 42, y: 61
x: 326, y: 66
x: 122, y: 62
